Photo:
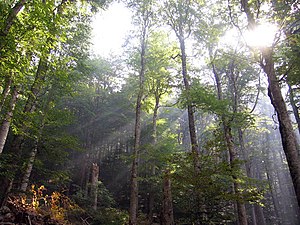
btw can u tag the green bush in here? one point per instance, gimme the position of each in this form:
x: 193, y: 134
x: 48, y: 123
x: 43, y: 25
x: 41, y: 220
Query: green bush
x: 110, y: 216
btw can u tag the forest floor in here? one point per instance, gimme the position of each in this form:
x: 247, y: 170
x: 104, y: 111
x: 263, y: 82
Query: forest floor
x: 17, y: 210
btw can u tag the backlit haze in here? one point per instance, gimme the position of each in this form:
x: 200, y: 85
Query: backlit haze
x: 110, y: 28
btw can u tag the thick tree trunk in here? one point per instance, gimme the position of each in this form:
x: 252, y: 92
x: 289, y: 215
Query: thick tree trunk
x: 288, y: 138
x: 167, y: 207
x: 6, y: 122
x: 94, y: 184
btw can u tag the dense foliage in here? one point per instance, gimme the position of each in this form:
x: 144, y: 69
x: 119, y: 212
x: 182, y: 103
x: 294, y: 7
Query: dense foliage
x: 182, y: 117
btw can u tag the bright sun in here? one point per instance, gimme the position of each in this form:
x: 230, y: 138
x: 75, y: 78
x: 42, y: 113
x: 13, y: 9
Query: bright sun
x: 262, y: 35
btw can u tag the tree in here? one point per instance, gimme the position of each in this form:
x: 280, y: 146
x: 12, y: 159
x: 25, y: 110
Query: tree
x: 43, y: 59
x: 144, y: 15
x: 288, y: 138
x: 179, y: 15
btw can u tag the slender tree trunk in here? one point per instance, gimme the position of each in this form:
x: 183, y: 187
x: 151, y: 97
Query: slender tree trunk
x: 253, y: 213
x: 241, y: 209
x: 273, y: 196
x: 167, y: 207
x: 30, y: 107
x: 134, y: 168
x: 294, y: 107
x: 30, y: 104
x: 288, y: 137
x: 5, y: 92
x: 94, y: 184
x: 154, y: 142
x: 258, y: 217
x: 269, y: 168
x: 25, y: 179
x: 6, y: 122
x: 11, y: 18
x: 191, y: 117
x: 137, y: 134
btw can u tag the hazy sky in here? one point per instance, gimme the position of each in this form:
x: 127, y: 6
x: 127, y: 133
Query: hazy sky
x: 110, y: 28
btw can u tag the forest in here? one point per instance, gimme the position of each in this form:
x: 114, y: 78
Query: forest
x: 196, y: 122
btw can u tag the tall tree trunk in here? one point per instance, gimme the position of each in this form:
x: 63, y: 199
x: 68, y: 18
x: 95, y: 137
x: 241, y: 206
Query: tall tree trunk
x: 6, y: 121
x: 256, y: 210
x: 94, y: 184
x: 30, y: 107
x: 253, y: 215
x: 241, y: 209
x: 154, y: 142
x: 167, y: 207
x: 30, y: 104
x: 260, y: 217
x: 28, y: 170
x: 137, y: 132
x: 134, y: 169
x: 25, y: 178
x: 269, y: 168
x: 191, y: 118
x: 294, y: 106
x: 288, y: 137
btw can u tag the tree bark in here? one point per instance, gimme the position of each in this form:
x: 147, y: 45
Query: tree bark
x: 94, y: 184
x: 11, y: 17
x: 294, y: 107
x: 137, y: 131
x: 288, y: 138
x: 154, y: 142
x: 5, y: 92
x: 191, y: 118
x: 7, y: 120
x: 260, y: 217
x: 25, y: 179
x: 241, y: 209
x: 167, y: 207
